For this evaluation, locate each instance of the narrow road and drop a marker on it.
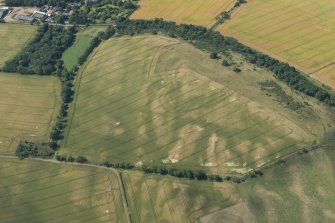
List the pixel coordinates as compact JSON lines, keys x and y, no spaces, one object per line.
{"x":116,"y":172}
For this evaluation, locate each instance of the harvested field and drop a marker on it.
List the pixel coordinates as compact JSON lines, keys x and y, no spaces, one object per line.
{"x":28,"y":107}
{"x":303,"y":35}
{"x":164,"y":199}
{"x":167,"y":102}
{"x":197,"y":12}
{"x":39,"y":192}
{"x":13,"y":37}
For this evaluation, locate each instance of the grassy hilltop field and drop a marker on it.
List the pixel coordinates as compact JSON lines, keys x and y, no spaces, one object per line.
{"x":13,"y":38}
{"x":28,"y":108}
{"x":303,"y":35}
{"x":39,"y":192}
{"x":196,"y":12}
{"x":167,"y":102}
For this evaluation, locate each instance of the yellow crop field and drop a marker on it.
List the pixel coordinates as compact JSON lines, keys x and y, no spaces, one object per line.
{"x":298,"y":31}
{"x":196,"y":12}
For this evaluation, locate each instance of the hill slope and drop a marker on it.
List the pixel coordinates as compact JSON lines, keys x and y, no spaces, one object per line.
{"x":155,"y":99}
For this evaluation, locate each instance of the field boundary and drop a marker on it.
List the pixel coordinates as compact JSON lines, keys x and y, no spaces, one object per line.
{"x":72,"y":111}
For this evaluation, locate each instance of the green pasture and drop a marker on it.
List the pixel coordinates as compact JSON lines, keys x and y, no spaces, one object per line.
{"x":82,"y":42}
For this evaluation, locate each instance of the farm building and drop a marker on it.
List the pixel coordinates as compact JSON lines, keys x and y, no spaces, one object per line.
{"x":39,"y":15}
{"x":3,"y":13}
{"x":26,"y":18}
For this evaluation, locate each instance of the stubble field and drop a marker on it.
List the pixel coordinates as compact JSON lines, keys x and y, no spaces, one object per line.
{"x":197,"y":12}
{"x":302,"y":35}
{"x":29,"y":104}
{"x":139,"y":102}
{"x":40,"y":192}
{"x":13,"y":37}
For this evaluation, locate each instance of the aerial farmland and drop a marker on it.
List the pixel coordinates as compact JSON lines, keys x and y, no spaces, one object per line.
{"x":301,"y":36}
{"x":140,"y":111}
{"x":196,"y":12}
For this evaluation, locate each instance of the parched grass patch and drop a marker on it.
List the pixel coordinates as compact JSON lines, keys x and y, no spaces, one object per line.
{"x":82,"y":42}
{"x":13,"y":37}
{"x":28,"y":107}
{"x":197,"y":12}
{"x":303,"y":35}
{"x":165,"y":199}
{"x":38,"y":192}
{"x":153,"y":99}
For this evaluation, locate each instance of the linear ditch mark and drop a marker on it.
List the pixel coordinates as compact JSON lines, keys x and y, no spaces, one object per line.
{"x":144,"y":105}
{"x":86,"y":187}
{"x":322,"y":68}
{"x":163,"y":146}
{"x":172,"y":213}
{"x":139,"y":216}
{"x":253,"y":150}
{"x":258,"y":15}
{"x":168,"y":122}
{"x":157,"y":99}
{"x":72,"y":111}
{"x":151,"y":201}
{"x":230,"y":147}
{"x":56,"y":206}
{"x":111,"y":65}
{"x":207,"y":135}
{"x":156,"y":149}
{"x":49,"y":187}
{"x":64,"y":215}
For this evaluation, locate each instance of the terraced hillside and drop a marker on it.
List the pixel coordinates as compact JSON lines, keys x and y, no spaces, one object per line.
{"x":196,"y":12}
{"x":36,"y":191}
{"x":28,"y":106}
{"x":165,"y":199}
{"x":302,"y":35}
{"x":12,"y":39}
{"x":155,"y":99}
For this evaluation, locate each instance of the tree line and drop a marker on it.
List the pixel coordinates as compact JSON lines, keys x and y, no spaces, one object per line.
{"x":213,"y":41}
{"x":27,"y":149}
{"x":104,"y":12}
{"x":39,"y":3}
{"x":43,"y":54}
